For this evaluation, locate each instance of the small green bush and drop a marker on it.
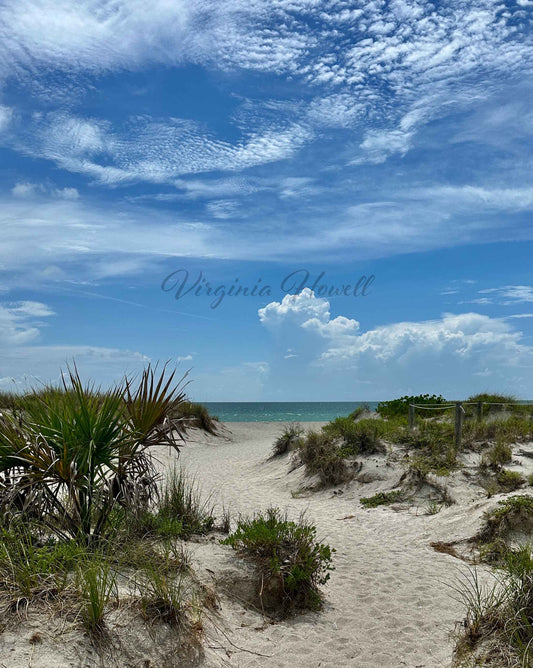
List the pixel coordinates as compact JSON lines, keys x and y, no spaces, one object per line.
{"x":400,"y":407}
{"x":289,"y":438}
{"x":287,"y":552}
{"x":381,"y":499}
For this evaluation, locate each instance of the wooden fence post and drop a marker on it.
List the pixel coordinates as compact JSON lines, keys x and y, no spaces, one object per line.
{"x":411,"y":417}
{"x":479,"y":411}
{"x":458,"y":424}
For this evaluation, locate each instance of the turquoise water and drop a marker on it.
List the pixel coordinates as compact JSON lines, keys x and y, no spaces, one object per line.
{"x":293,"y":411}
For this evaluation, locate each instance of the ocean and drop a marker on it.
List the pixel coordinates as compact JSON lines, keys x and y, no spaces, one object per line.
{"x":283,"y":411}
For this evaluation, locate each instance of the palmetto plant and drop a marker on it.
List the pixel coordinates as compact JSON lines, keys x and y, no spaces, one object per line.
{"x":75,"y":452}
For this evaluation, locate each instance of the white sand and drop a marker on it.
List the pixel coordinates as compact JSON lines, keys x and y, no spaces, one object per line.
{"x":387,"y":603}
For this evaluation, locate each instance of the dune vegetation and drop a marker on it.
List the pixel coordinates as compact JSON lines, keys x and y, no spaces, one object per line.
{"x":86,"y":523}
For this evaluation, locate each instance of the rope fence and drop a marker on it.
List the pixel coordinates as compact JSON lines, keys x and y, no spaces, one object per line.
{"x":458,"y":406}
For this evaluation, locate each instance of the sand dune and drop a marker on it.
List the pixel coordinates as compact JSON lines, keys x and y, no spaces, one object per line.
{"x":388,"y":602}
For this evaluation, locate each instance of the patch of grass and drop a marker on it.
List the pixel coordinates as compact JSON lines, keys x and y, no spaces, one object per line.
{"x":381,"y":499}
{"x":181,"y":510}
{"x":196,"y":416}
{"x":289,"y":438}
{"x":499,"y":617}
{"x":510,"y":481}
{"x":320,"y":455}
{"x":28,"y":568}
{"x":499,"y":454}
{"x":363,"y":437}
{"x":433,"y":507}
{"x":162,"y":596}
{"x":96,"y":583}
{"x":287,"y":554}
{"x":356,"y":414}
{"x":509,"y":513}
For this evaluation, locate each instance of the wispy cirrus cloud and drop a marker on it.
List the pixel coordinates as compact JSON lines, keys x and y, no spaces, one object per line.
{"x":509,"y":294}
{"x":147,"y":149}
{"x":383,"y":70}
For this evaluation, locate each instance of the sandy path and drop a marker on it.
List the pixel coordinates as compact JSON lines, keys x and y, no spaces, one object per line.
{"x":387,"y":603}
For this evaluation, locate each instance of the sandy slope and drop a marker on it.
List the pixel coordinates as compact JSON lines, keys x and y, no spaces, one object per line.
{"x":387,"y":604}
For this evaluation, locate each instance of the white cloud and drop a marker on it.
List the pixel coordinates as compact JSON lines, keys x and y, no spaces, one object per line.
{"x":441,"y":355}
{"x":25,"y":190}
{"x":387,"y":68}
{"x":511,"y":294}
{"x":18,"y":324}
{"x":378,"y":145}
{"x":29,"y":365}
{"x":152,"y":150}
{"x":6,"y":114}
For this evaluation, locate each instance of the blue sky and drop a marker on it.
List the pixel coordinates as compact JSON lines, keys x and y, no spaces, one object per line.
{"x":240,"y":141}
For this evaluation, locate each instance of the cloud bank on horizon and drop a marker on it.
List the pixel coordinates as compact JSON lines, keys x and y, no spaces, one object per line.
{"x":465,"y":350}
{"x":336,"y":131}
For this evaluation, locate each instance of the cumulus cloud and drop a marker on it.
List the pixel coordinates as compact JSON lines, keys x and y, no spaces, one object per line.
{"x":459,"y":352}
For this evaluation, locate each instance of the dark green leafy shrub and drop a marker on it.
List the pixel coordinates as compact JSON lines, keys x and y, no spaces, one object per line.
{"x":400,"y":407}
{"x":285,"y":552}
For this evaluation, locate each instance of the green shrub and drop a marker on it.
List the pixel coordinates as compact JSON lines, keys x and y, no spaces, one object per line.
{"x":382,"y":499}
{"x":289,"y":438}
{"x":400,"y":407}
{"x":320,"y":453}
{"x":286,"y":552}
{"x":28,"y":567}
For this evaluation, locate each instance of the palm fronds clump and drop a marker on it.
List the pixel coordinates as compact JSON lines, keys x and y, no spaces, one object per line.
{"x":74,"y":453}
